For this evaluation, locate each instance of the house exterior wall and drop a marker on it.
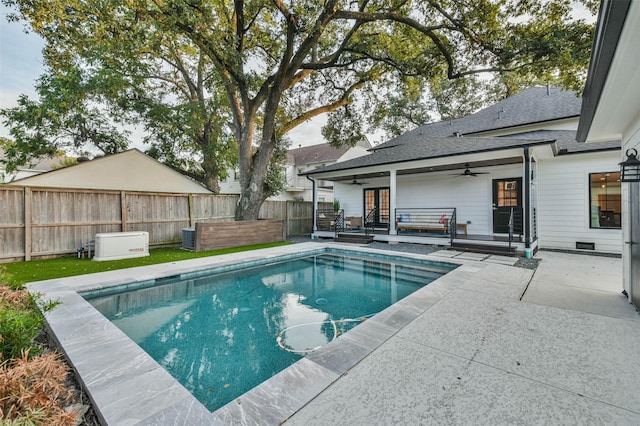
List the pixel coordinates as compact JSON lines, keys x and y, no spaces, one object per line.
{"x":296,"y":187}
{"x":356,"y":151}
{"x":564,"y":214}
{"x":472,"y":197}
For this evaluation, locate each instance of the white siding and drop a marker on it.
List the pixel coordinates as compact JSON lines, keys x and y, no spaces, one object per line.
{"x":472,"y":196}
{"x":564,"y":206}
{"x":230,"y":185}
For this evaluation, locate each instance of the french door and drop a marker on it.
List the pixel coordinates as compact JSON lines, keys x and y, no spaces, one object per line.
{"x":377,"y":198}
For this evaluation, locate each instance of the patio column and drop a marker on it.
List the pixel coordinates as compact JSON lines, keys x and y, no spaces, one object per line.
{"x":392,"y":203}
{"x":526,"y":217}
{"x":314,"y":203}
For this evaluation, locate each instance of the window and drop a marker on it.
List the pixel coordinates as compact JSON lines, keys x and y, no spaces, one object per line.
{"x":606,"y":200}
{"x":507,"y":193}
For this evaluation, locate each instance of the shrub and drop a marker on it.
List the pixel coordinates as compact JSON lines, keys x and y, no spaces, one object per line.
{"x":32,"y":391}
{"x":20,"y":322}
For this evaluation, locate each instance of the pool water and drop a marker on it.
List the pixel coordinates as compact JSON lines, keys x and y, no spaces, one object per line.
{"x":222,"y":334}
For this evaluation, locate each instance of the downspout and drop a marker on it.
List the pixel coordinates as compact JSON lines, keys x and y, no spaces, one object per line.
{"x":527,"y":198}
{"x":314,"y":226}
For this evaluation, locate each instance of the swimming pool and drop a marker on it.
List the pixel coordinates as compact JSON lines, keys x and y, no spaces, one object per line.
{"x":128,"y":387}
{"x":221,"y":332}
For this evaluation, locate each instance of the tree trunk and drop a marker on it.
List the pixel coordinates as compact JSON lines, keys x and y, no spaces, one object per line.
{"x":249,"y":204}
{"x":211,"y":175}
{"x":251,"y":174}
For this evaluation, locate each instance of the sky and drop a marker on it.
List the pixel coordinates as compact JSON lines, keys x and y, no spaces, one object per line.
{"x":21,"y":64}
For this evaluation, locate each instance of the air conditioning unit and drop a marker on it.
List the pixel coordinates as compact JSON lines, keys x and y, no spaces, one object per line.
{"x":189,"y":238}
{"x":121,"y":245}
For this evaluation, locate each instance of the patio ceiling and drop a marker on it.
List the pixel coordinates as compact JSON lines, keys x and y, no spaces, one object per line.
{"x":350,"y":175}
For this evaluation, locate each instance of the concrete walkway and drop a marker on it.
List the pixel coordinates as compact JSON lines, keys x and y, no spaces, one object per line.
{"x":582,"y":283}
{"x":567,"y":353}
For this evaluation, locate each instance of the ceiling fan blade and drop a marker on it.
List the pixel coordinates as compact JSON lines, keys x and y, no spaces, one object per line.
{"x":355,"y":182}
{"x":468,"y":173}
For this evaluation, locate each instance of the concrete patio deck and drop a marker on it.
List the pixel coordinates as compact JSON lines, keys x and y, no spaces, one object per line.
{"x":488,"y":343}
{"x":567,"y":353}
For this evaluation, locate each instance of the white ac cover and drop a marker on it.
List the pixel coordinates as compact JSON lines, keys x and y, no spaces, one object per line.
{"x":121,"y":245}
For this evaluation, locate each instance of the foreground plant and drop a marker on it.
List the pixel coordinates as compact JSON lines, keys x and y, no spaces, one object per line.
{"x":32,"y":386}
{"x":32,"y":391}
{"x":20,"y":322}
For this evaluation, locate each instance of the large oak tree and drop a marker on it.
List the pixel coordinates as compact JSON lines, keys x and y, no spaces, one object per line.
{"x":259,"y":68}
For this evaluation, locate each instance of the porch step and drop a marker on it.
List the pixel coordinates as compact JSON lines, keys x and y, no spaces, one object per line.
{"x":353,"y":238}
{"x":485,"y":248}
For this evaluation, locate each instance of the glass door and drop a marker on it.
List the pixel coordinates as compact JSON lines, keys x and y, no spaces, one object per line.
{"x":507,"y":195}
{"x":377,"y":198}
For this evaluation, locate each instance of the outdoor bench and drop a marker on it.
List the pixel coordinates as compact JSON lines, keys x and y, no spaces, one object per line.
{"x":422,"y":222}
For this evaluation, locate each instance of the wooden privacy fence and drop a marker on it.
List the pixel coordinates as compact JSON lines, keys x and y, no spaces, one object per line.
{"x":48,"y":222}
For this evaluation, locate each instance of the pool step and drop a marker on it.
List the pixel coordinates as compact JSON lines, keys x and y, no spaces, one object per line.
{"x":410,"y":274}
{"x":353,"y":238}
{"x":485,"y":249}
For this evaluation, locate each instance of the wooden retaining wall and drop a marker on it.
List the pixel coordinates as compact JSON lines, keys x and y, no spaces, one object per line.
{"x":47,"y":222}
{"x":219,"y":235}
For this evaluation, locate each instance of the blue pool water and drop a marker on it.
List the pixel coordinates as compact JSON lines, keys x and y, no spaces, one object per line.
{"x":221,"y":334}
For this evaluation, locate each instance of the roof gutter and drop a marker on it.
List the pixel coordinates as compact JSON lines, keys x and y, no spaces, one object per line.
{"x":611,"y":20}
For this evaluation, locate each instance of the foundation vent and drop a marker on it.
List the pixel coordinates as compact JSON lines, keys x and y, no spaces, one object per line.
{"x":585,"y":246}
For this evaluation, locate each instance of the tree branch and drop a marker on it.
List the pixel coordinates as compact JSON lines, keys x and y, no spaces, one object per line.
{"x":342,"y":101}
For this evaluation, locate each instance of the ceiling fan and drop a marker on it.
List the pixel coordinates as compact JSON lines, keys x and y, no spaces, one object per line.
{"x":355,"y":182}
{"x":468,"y":173}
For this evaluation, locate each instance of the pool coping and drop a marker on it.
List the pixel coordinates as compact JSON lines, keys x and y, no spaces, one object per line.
{"x":128,"y":387}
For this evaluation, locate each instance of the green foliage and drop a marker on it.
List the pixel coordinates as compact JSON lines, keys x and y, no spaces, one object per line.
{"x":65,"y":162}
{"x":216,"y":82}
{"x":336,"y":204}
{"x":19,"y":329}
{"x":20,"y":320}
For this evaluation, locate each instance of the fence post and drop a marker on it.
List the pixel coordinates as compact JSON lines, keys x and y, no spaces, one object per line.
{"x":191,"y":223}
{"x":27,"y":224}
{"x":123,"y":211}
{"x":286,"y":217}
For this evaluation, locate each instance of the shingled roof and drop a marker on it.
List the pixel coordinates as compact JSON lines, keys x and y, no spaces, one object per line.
{"x":534,"y":105}
{"x":316,"y":153}
{"x":435,"y":148}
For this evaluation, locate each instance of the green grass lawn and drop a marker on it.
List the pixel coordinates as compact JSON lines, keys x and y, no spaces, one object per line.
{"x":38,"y":270}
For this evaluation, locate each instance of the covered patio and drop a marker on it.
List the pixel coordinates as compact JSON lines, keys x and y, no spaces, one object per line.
{"x":466,"y":192}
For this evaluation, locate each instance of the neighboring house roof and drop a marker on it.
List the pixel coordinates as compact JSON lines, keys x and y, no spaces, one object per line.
{"x":130,"y":170}
{"x":317,"y":153}
{"x":39,"y":165}
{"x":534,"y":105}
{"x":609,"y":44}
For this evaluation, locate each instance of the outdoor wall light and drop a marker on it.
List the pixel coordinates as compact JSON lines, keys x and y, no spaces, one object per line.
{"x":630,"y":168}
